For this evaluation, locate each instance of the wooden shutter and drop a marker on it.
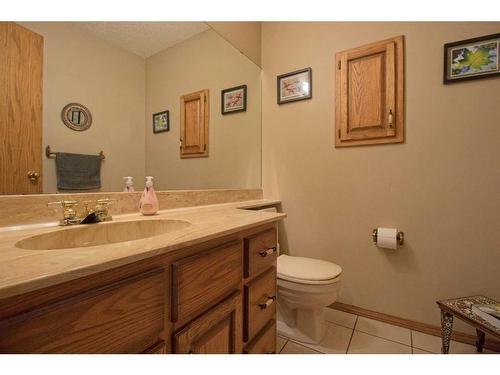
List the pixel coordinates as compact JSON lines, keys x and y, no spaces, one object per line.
{"x":369,"y":94}
{"x":194,"y":124}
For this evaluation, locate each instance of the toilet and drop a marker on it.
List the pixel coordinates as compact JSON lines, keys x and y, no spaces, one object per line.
{"x":305,"y":287}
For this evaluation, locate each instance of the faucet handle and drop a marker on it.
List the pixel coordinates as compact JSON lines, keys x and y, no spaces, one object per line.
{"x":108,"y":201}
{"x":69,"y":213}
{"x":102,"y":208}
{"x":62,"y":204}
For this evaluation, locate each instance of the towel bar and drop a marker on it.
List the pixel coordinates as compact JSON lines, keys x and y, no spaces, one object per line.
{"x":50,"y":154}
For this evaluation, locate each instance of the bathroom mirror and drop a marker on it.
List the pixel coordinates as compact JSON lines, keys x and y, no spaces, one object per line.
{"x":110,"y":79}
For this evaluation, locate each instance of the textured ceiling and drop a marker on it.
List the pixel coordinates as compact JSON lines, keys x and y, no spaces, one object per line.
{"x":143,"y":38}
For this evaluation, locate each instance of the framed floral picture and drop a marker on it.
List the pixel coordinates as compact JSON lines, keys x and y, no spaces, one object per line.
{"x":234,"y":100}
{"x":294,"y":86}
{"x":471,"y":59}
{"x":161,"y":122}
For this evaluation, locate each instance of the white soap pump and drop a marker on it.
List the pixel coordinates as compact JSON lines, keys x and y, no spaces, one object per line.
{"x":129,"y":184}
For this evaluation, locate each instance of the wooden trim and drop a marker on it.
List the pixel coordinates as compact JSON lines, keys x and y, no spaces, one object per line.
{"x":413,"y":325}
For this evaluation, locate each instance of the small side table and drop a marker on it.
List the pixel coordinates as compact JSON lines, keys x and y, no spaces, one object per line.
{"x":461,"y":308}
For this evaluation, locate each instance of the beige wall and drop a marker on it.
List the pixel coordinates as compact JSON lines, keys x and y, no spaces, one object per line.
{"x":441,"y":187}
{"x":204,"y":61}
{"x":245,"y":36}
{"x":111,"y":83}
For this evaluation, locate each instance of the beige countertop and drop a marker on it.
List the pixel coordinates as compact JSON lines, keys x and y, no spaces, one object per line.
{"x":23,"y":270}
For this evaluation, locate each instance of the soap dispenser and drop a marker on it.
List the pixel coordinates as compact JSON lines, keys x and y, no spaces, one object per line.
{"x":129,"y":184}
{"x":148,"y":205}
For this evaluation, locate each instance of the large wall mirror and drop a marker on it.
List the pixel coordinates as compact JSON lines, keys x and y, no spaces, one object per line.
{"x":124,"y":73}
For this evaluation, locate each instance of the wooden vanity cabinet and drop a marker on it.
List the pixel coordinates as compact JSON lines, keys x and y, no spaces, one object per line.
{"x":192,"y":300}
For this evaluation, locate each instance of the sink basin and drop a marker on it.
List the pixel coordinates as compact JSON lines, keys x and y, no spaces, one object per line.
{"x":101,"y":234}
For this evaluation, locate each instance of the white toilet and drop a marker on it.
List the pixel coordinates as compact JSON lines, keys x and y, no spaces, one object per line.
{"x":305,"y":287}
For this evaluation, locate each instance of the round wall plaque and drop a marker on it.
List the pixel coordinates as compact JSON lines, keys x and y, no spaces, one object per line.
{"x":76,"y":116}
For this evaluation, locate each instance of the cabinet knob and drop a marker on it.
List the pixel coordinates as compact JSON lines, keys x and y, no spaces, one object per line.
{"x":267,"y":252}
{"x":269,"y":301}
{"x":33,"y":176}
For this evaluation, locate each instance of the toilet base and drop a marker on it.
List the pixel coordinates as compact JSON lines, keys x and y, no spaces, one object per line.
{"x":309,"y":328}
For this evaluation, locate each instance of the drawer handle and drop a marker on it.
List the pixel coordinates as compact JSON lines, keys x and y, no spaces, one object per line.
{"x":267,"y":252}
{"x":270,"y":300}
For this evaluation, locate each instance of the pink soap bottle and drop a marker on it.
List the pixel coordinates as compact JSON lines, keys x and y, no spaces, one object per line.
{"x":148,"y":205}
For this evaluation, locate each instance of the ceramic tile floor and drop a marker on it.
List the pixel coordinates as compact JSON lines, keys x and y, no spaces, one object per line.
{"x":352,"y":334}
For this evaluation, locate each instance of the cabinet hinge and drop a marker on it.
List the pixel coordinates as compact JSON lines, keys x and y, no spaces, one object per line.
{"x":340,"y":64}
{"x":338,"y":132}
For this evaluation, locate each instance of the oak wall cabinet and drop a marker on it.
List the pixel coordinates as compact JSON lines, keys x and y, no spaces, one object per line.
{"x":195,"y":114}
{"x":369,"y":89}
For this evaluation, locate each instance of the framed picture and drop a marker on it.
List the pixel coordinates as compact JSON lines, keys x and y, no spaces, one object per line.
{"x":234,"y":100}
{"x":161,"y":122}
{"x":295,"y":86}
{"x":471,"y":59}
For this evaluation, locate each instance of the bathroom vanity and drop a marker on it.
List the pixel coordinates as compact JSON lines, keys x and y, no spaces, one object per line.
{"x":205,"y":287}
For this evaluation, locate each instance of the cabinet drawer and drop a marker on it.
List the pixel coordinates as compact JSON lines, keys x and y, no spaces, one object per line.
{"x":201,"y":280}
{"x":260,"y":303}
{"x":123,"y":317}
{"x":260,"y":251}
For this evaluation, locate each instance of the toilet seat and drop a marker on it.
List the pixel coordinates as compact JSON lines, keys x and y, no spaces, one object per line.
{"x":310,"y":271}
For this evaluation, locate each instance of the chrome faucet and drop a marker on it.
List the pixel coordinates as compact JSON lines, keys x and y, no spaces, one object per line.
{"x":93,"y":212}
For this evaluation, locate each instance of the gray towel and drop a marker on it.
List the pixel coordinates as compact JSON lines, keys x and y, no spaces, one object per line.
{"x":77,"y":171}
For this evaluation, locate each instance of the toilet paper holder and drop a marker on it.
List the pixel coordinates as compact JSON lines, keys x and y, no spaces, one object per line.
{"x":400,"y":237}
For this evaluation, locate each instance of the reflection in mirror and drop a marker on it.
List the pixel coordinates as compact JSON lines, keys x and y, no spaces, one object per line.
{"x":76,"y":116}
{"x":127,"y":72}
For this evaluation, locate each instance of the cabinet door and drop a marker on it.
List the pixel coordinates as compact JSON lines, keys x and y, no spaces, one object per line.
{"x":369,"y":94}
{"x":21,"y":64}
{"x":202,"y":280}
{"x":218,"y":331}
{"x":264,"y":342}
{"x":158,"y":348}
{"x":194,"y":124}
{"x":124,"y":317}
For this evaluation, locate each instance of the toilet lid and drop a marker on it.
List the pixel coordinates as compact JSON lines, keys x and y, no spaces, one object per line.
{"x":306,"y":269}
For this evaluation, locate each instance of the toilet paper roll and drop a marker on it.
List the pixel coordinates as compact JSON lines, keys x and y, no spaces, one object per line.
{"x":387,"y":238}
